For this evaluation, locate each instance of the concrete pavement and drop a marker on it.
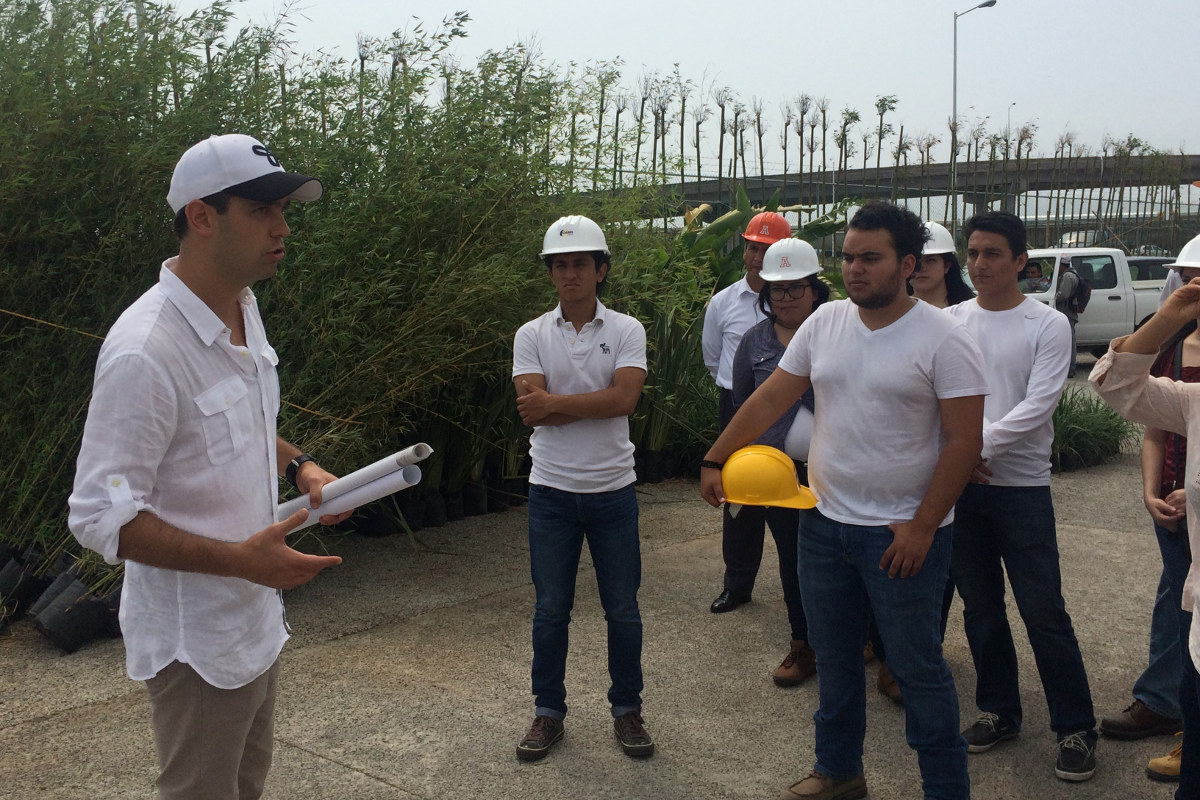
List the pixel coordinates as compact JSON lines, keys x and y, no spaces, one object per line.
{"x":408,"y":675}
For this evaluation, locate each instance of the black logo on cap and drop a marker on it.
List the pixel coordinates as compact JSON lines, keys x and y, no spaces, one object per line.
{"x":260,"y":150}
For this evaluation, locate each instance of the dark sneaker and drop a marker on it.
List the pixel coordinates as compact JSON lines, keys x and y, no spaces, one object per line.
{"x":988,"y":731}
{"x":1076,"y":756}
{"x":631,"y":733}
{"x":543,"y":735}
{"x":820,"y":787}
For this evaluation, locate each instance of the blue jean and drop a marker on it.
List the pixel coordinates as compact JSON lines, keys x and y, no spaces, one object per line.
{"x":998,"y":528}
{"x":841,"y":581}
{"x":558,"y":523}
{"x":1158,"y":685}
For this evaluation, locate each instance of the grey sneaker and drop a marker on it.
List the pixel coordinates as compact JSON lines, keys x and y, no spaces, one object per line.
{"x":631,"y":733}
{"x":543,"y":735}
{"x":988,"y":731}
{"x":1076,"y":756}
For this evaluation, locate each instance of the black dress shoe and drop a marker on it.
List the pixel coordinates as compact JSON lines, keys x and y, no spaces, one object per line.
{"x":726,"y":602}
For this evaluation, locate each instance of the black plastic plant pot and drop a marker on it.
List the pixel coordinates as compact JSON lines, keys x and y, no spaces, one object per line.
{"x":71,"y":621}
{"x":19,"y":588}
{"x":435,"y":510}
{"x":474,"y":499}
{"x":52,"y":591}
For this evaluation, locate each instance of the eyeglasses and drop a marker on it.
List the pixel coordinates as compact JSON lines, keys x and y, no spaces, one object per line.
{"x":795,"y":291}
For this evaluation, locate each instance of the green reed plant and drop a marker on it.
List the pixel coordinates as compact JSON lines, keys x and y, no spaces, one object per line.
{"x":1087,"y":431}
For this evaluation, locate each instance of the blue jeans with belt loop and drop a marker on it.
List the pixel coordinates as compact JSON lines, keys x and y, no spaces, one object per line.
{"x":559,"y":522}
{"x":840,"y":580}
{"x":1011,"y":528}
{"x":1158,"y":685}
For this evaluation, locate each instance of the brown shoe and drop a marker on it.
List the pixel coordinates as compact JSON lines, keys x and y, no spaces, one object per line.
{"x":887,"y":685}
{"x":1137,"y":722}
{"x":630,"y":730}
{"x":820,"y":787}
{"x":1165,"y":769}
{"x":798,"y":665}
{"x":543,"y":735}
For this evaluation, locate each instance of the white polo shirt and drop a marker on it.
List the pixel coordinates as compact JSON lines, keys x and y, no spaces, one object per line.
{"x":182,"y":424}
{"x":589,"y":455}
{"x":731,"y":312}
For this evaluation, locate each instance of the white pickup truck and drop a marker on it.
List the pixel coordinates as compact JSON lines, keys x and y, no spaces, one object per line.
{"x":1124,"y":295}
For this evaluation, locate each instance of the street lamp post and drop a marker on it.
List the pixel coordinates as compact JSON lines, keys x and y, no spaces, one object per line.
{"x":1008,"y":127}
{"x":954,"y":123}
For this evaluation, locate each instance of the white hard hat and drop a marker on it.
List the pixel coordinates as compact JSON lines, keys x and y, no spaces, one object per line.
{"x":573,"y":234}
{"x":940,"y":240}
{"x":1189,"y":256}
{"x":789,"y":260}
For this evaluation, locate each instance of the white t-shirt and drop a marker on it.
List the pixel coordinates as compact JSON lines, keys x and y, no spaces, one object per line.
{"x":877,"y":434}
{"x":589,"y":455}
{"x":1026,"y":355}
{"x":731,"y":312}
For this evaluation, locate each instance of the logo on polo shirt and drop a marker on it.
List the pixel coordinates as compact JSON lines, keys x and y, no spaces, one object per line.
{"x":605,"y":349}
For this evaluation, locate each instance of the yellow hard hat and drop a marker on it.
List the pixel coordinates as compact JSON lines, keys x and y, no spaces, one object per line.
{"x":759,"y":475}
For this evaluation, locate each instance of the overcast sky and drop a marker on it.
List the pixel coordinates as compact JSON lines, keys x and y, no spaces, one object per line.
{"x":1092,"y":68}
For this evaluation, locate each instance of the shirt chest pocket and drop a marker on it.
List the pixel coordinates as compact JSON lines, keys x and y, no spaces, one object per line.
{"x":226,"y":418}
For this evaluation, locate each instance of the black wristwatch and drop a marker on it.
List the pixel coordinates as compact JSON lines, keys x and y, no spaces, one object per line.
{"x":706,"y":464}
{"x":293,"y":467}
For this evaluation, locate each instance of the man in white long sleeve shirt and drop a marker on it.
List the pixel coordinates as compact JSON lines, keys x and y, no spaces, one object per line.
{"x":1005,"y":517}
{"x":178,"y":471}
{"x":731,"y":312}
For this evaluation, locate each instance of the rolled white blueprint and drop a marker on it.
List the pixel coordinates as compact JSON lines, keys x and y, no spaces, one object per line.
{"x":371,"y":472}
{"x":394,"y":481}
{"x":410,"y":455}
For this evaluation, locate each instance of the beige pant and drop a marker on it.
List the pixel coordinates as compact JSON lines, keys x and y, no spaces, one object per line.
{"x":213,"y":744}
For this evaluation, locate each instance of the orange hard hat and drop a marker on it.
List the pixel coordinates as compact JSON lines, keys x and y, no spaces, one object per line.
{"x":767,"y":227}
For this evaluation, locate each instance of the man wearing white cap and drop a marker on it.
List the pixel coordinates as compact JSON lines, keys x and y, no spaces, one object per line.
{"x":178,"y":471}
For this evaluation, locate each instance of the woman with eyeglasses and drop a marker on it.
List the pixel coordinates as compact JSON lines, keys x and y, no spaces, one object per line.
{"x":790,"y":293}
{"x":937,"y":278}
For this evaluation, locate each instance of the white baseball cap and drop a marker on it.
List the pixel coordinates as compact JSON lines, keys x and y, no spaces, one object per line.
{"x":240,"y":165}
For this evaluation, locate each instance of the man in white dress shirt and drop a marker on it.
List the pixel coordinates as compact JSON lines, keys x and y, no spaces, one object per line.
{"x":731,"y":312}
{"x":177,"y":475}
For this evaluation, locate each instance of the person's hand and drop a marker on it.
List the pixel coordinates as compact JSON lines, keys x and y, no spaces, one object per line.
{"x":906,"y":554}
{"x":1177,"y":499}
{"x":534,"y":405}
{"x":1164,"y":513}
{"x":311,"y":479}
{"x":1183,"y":304}
{"x":266,"y":559}
{"x":710,"y":486}
{"x":981,"y":473}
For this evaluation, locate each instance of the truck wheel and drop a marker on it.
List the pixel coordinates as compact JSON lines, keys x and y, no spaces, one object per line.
{"x":1098,"y":351}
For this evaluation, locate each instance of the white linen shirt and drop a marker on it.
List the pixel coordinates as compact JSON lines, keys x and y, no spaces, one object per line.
{"x":589,"y":455}
{"x":1170,"y":406}
{"x":1026,"y":353}
{"x":731,"y":312}
{"x":182,"y":425}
